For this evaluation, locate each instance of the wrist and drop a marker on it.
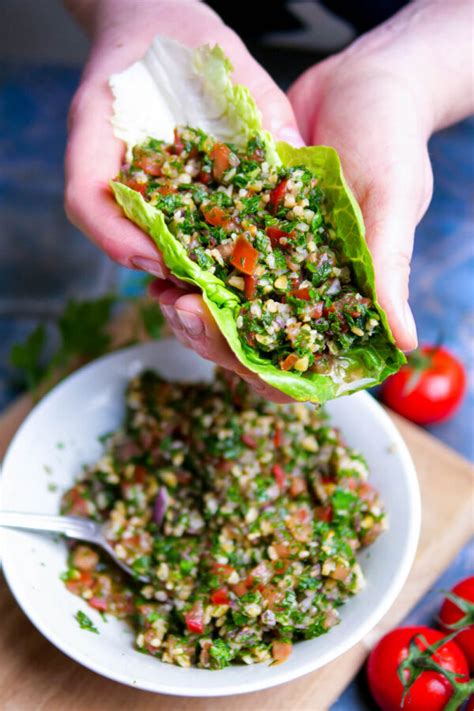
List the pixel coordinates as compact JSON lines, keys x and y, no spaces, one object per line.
{"x":426,"y":48}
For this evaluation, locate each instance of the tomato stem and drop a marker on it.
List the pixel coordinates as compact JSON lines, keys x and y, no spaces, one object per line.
{"x":420,"y":660}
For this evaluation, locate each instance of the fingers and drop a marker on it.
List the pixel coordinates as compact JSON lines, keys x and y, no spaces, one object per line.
{"x":195,"y":328}
{"x":392,"y":207}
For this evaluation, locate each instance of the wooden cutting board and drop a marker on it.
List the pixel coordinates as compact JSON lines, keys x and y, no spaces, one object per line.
{"x":35,"y":675}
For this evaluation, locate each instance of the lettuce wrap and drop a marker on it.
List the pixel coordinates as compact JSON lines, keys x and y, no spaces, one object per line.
{"x":175,"y":86}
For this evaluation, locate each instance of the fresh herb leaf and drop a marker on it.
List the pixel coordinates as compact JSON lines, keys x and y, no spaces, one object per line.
{"x":85,"y":623}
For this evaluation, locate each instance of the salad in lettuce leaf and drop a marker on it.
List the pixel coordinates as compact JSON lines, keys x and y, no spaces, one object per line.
{"x":271,"y":234}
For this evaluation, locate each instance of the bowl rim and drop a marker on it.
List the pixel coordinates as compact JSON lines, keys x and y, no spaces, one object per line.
{"x":213,"y":690}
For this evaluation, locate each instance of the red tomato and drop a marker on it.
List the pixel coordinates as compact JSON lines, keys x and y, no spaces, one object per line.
{"x":250,"y":286}
{"x":431,"y":691}
{"x":429,"y":388}
{"x":220,"y":155}
{"x":204,"y":177}
{"x":302,"y":294}
{"x":323,"y":513}
{"x":214,"y":215}
{"x":470,"y":704}
{"x":150,"y":164}
{"x":244,"y":257}
{"x":277,"y":195}
{"x":278,"y":437}
{"x":195,"y":619}
{"x":249,"y":441}
{"x":135,"y":185}
{"x":450,"y":613}
{"x":279,"y":474}
{"x":98,"y":604}
{"x":220,"y":597}
{"x":275,"y":235}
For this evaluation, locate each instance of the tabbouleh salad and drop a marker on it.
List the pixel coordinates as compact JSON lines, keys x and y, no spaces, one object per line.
{"x":245,"y":516}
{"x":263,"y":230}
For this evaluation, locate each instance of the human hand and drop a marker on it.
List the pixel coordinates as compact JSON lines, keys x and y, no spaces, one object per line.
{"x":377,"y":103}
{"x":121,"y":32}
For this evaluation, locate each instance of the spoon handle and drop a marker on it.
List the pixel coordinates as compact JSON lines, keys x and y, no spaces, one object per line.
{"x":70,"y":526}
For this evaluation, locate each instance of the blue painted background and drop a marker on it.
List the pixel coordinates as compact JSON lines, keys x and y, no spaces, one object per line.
{"x":44,"y":259}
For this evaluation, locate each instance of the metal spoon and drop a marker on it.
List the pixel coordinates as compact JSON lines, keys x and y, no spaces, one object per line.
{"x":81,"y":529}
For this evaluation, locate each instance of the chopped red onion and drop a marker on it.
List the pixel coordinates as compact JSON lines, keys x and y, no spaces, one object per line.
{"x":160,"y":506}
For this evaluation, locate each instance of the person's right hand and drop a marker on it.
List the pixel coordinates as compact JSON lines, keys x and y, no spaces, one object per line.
{"x":121,"y":31}
{"x":377,"y":103}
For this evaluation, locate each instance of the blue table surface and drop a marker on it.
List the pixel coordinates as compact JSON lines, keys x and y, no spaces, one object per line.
{"x":45,"y":260}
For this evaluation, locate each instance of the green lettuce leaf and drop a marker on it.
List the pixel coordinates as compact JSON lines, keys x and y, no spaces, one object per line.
{"x":202,"y":95}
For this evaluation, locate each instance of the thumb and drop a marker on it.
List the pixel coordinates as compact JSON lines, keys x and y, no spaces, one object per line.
{"x":390,"y":228}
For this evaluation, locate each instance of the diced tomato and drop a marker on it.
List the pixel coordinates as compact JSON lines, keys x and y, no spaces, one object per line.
{"x":249,"y":441}
{"x":84,"y":582}
{"x":140,"y":474}
{"x":167,"y":190}
{"x":278,"y":437}
{"x":279,"y":474}
{"x":282,"y":550}
{"x":244,"y":257}
{"x":274,"y":234}
{"x":323,"y":513}
{"x":214,"y":215}
{"x":222,"y":570}
{"x":220,"y":597}
{"x":301,"y":293}
{"x":281,"y":651}
{"x":195,"y":619}
{"x":135,"y":185}
{"x":250,"y":286}
{"x":220,"y":154}
{"x":98,"y":604}
{"x":85,"y":559}
{"x":277,"y":195}
{"x":204,"y":177}
{"x":317,"y":310}
{"x":298,"y":486}
{"x":289,"y":361}
{"x":240,"y":588}
{"x":178,"y":142}
{"x":271,"y":595}
{"x":150,"y":164}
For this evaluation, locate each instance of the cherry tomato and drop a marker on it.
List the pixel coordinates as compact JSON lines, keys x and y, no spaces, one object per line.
{"x":431,"y":691}
{"x":244,"y":257}
{"x":429,"y":388}
{"x":450,"y":613}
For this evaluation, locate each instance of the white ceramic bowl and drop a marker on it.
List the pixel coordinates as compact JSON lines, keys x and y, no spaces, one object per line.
{"x":61,"y":434}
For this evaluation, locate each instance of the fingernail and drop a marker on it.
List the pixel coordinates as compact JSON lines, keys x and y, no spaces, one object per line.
{"x":169,"y":313}
{"x":191,"y":323}
{"x":148,"y":265}
{"x":410,"y":323}
{"x":291,"y":135}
